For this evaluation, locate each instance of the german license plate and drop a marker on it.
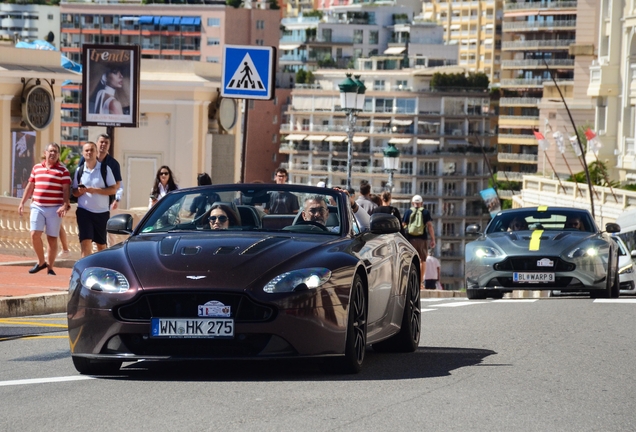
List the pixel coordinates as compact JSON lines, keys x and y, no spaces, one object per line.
{"x":218,"y":328}
{"x":533,"y":277}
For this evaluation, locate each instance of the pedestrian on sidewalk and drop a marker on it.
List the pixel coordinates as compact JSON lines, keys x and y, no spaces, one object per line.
{"x":432,"y":271}
{"x":418,"y":227}
{"x":49,"y":186}
{"x":92,"y":193}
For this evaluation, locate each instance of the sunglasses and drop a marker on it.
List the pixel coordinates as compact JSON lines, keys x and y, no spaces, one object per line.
{"x":222,"y":219}
{"x":164,"y":173}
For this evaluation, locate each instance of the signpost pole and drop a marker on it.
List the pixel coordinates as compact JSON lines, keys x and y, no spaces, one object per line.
{"x":244,"y":139}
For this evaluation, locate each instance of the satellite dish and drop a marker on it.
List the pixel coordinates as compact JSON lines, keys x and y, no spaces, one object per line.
{"x":227,"y":113}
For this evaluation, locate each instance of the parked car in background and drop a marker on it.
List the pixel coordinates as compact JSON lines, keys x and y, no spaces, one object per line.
{"x":626,"y":271}
{"x":542,"y":248}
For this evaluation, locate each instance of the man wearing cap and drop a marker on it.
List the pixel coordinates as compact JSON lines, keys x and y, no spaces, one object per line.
{"x":422,"y":242}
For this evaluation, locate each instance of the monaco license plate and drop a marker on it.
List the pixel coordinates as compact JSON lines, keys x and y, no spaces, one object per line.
{"x":533,"y":277}
{"x":217,"y":328}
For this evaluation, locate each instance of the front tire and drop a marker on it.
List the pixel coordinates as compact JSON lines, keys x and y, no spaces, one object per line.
{"x":475,"y":294}
{"x":356,"y":343}
{"x":96,"y":367}
{"x":408,"y":339}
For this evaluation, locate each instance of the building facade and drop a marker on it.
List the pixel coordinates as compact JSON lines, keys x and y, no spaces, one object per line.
{"x":29,"y":22}
{"x":442,"y":137}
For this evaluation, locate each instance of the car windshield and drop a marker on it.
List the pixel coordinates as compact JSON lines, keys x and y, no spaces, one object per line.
{"x":249,"y":208}
{"x":542,"y":219}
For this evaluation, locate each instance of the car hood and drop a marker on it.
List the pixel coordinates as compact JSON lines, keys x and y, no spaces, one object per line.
{"x":218,"y":260}
{"x":551,"y":242}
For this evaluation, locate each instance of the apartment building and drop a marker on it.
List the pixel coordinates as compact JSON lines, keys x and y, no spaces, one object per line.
{"x":29,"y":22}
{"x":543,"y":43}
{"x":474,"y":27}
{"x":441,"y":159}
{"x":613,"y":87}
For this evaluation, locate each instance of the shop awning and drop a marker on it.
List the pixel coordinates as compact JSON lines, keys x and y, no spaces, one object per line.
{"x":168,"y":20}
{"x":427,"y":141}
{"x":315,"y":137}
{"x":400,"y":141}
{"x":401,"y":122}
{"x":146,"y":19}
{"x":190,"y":21}
{"x":336,"y":138}
{"x":488,"y":41}
{"x":394,"y":50}
{"x":381,"y":120}
{"x":288,"y":47}
{"x":455,"y":26}
{"x":129,"y":18}
{"x":359,"y":139}
{"x":295,"y":137}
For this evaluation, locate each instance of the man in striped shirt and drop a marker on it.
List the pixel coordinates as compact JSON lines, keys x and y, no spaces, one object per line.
{"x":49,"y":188}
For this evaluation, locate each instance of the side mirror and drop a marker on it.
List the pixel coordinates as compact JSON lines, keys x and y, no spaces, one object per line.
{"x":382,"y":223}
{"x":121,"y":224}
{"x":633,"y":254}
{"x":612,"y":228}
{"x":473,"y":229}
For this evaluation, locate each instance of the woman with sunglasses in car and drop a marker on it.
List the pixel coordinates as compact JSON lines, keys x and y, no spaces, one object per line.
{"x":164,"y":183}
{"x":222,"y":217}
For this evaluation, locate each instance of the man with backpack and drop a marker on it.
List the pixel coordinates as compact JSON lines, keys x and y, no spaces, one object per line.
{"x":417,"y":224}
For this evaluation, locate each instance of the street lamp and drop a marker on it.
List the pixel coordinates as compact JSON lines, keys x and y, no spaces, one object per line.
{"x":391,"y":163}
{"x":351,"y":101}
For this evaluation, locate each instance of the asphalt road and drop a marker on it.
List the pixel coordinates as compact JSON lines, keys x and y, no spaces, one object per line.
{"x":566,"y":364}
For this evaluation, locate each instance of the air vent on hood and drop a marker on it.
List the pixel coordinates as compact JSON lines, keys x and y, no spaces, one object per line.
{"x":225,"y":250}
{"x":190,"y":250}
{"x":168,"y":245}
{"x":261,"y":245}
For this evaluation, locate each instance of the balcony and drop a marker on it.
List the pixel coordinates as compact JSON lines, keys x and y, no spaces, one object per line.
{"x":604,"y":80}
{"x":531,"y":5}
{"x":523,"y":82}
{"x":519,"y":158}
{"x":539,"y":25}
{"x":512,"y":101}
{"x":512,"y":175}
{"x":533,"y":44}
{"x":519,"y":139}
{"x":526,"y":64}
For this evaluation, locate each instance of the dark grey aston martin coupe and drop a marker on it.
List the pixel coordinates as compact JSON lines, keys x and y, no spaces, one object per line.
{"x":542,"y":248}
{"x":246,"y":271}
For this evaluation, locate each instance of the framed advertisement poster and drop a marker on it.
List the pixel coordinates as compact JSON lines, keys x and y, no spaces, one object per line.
{"x":24,"y":157}
{"x":110,"y":85}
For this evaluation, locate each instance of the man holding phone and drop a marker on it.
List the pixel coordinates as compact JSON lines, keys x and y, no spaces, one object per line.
{"x":92,"y":200}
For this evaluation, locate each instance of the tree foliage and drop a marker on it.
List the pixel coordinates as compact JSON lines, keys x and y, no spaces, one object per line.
{"x":476,"y":80}
{"x":304,"y":77}
{"x":598,"y":175}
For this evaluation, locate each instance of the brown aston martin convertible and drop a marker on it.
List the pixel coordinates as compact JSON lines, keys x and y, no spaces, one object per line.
{"x":246,"y":271}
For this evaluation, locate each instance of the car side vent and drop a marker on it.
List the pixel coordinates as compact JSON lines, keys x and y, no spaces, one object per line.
{"x":225,"y":250}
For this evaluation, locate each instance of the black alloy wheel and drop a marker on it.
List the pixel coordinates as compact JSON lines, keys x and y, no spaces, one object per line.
{"x":356,"y":344}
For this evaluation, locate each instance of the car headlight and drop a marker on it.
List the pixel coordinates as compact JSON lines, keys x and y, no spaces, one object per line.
{"x":629,"y":268}
{"x":488,"y":252}
{"x":103,"y":279}
{"x":583,"y":252}
{"x":298,"y":280}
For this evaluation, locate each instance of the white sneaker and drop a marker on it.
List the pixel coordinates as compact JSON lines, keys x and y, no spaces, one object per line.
{"x":64,"y":254}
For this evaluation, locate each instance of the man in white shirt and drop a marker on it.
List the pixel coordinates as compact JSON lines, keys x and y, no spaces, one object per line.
{"x":92,"y":200}
{"x":432,"y":272}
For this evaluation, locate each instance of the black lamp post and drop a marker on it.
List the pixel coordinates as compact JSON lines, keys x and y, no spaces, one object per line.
{"x":391,"y":163}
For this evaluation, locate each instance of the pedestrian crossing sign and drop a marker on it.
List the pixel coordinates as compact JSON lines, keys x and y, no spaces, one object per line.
{"x":248,"y":72}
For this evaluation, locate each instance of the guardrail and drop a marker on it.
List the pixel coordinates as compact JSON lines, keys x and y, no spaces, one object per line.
{"x":15,"y":231}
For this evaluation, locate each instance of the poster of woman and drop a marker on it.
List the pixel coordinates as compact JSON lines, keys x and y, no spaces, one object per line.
{"x":23,"y":146}
{"x":110,"y":85}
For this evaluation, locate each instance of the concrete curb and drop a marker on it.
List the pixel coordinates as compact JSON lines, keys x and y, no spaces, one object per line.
{"x":441,"y":294}
{"x":61,"y":263}
{"x":35,"y":304}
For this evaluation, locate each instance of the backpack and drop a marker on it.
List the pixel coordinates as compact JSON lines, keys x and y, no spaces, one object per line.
{"x":103,"y":169}
{"x":416,"y":222}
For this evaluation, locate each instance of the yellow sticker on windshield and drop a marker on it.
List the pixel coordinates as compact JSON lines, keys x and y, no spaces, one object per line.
{"x":542,"y":208}
{"x":535,"y":240}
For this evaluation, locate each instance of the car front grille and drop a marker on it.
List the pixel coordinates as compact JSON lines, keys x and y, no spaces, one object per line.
{"x":186,"y":305}
{"x":531,"y":264}
{"x":507,"y":282}
{"x":243,"y":345}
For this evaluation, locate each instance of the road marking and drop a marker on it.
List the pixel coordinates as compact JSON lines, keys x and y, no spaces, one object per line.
{"x":428,"y":310}
{"x":13,"y":321}
{"x":618,"y":300}
{"x":18,"y":337}
{"x":45,"y":380}
{"x":515,"y":301}
{"x":438,"y":299}
{"x":462,"y":303}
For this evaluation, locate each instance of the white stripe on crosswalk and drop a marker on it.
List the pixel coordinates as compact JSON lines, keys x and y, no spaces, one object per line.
{"x":515,"y":301}
{"x":428,"y":310}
